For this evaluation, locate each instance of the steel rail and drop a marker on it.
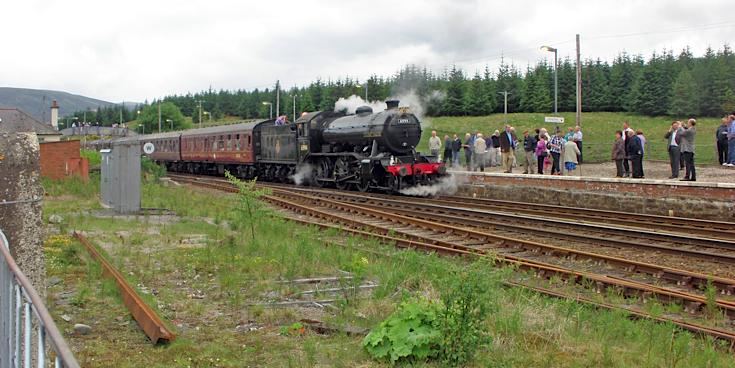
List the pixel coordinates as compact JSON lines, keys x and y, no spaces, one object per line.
{"x":628,"y":288}
{"x":404,"y":243}
{"x":643,"y":233}
{"x":691,"y":226}
{"x":680,"y":229}
{"x":681,"y":277}
{"x":674,"y":225}
{"x":693,"y":302}
{"x":146,"y":317}
{"x":579,"y":228}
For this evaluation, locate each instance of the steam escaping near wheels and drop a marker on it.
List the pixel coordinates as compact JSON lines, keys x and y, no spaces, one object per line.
{"x":303,"y":174}
{"x":447,"y":185}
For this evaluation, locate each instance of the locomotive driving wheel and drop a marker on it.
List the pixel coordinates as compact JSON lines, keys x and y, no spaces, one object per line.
{"x":322,"y":170}
{"x":341,"y":170}
{"x":362,"y":184}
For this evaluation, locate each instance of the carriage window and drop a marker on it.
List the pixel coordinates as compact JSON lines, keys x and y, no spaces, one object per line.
{"x":249,"y":140}
{"x":237,"y":142}
{"x":229,"y":142}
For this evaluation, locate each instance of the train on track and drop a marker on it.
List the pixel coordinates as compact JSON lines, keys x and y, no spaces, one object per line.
{"x":363,"y":151}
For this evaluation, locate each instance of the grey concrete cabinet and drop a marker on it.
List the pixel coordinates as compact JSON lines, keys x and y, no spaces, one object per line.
{"x":120,"y":177}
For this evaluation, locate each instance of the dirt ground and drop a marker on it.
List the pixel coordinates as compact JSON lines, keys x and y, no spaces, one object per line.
{"x":657,"y":170}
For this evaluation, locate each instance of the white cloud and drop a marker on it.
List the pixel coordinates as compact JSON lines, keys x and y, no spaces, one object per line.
{"x":139,"y":50}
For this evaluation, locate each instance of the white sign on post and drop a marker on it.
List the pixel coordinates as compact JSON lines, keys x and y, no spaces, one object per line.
{"x":149,"y":148}
{"x":554,"y":119}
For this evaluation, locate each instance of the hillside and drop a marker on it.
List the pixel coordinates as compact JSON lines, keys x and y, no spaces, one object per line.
{"x":32,"y":101}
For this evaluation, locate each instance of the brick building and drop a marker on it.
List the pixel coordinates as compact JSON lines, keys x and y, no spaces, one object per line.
{"x":62,"y":159}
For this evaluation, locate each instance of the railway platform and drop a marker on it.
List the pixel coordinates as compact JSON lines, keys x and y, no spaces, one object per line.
{"x":707,"y":200}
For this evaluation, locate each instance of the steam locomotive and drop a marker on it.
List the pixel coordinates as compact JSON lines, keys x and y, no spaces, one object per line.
{"x":364,"y":151}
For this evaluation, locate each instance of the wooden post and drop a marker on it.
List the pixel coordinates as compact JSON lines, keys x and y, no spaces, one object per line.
{"x":20,"y":204}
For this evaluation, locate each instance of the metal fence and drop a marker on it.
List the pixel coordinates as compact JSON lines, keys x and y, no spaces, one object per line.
{"x":22,"y":311}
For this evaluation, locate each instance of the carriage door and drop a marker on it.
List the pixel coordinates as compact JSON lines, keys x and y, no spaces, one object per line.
{"x":303,"y":139}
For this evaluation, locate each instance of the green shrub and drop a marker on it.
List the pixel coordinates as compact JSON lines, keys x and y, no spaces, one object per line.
{"x":93,"y":156}
{"x":151,"y":170}
{"x":451,"y":329}
{"x":411,"y":333}
{"x":467,"y":299}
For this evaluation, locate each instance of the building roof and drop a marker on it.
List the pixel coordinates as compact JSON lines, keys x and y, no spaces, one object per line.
{"x":14,"y":121}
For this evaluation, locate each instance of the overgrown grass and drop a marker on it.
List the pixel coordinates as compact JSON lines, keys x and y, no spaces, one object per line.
{"x":93,"y":156}
{"x":598,"y":128}
{"x":208,"y":290}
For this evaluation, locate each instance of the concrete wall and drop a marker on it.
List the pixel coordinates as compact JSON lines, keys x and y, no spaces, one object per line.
{"x":700,"y":200}
{"x":20,"y":181}
{"x":60,"y":160}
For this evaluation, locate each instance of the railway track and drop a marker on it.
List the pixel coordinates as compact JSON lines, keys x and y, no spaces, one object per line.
{"x":563,"y":229}
{"x":662,"y":224}
{"x":602,"y":273}
{"x":719,"y":250}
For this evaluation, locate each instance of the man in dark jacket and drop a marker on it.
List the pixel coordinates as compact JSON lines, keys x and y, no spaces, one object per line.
{"x":456,"y":146}
{"x":634,"y":151}
{"x":721,"y":139}
{"x":687,"y":149}
{"x":507,"y":142}
{"x":447,"y":150}
{"x":529,"y":149}
{"x":673,"y":139}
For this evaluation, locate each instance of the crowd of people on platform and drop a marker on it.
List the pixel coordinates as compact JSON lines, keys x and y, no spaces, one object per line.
{"x":541,"y":151}
{"x":560,"y":152}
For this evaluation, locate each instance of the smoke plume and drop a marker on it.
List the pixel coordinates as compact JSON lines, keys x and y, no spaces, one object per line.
{"x":302,"y":174}
{"x":448,"y":185}
{"x":350,"y":104}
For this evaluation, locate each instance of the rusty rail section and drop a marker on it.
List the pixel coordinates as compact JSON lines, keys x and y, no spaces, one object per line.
{"x":348,"y":223}
{"x":685,"y":278}
{"x":583,"y":230}
{"x":633,"y":313}
{"x":146,"y":317}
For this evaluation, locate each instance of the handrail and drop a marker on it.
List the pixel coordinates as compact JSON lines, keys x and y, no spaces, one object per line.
{"x":20,"y":290}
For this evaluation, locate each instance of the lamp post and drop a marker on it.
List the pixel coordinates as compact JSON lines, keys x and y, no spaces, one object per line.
{"x":200,"y":112}
{"x":294,"y":107}
{"x":139,"y":123}
{"x":366,"y":90}
{"x":271,"y":109}
{"x":505,"y":104}
{"x":170,"y":122}
{"x":209,"y":116}
{"x":556,"y":84}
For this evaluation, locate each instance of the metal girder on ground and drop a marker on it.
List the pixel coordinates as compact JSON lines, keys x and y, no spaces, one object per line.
{"x":148,"y":320}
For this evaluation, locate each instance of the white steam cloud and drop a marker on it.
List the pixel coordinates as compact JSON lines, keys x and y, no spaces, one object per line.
{"x":448,"y":185}
{"x":302,"y":174}
{"x":350,"y":104}
{"x":410,"y":99}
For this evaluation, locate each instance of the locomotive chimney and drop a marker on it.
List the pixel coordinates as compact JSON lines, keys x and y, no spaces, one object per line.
{"x":391,"y":104}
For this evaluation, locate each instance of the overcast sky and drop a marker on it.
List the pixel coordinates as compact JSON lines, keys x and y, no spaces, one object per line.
{"x":135,"y":50}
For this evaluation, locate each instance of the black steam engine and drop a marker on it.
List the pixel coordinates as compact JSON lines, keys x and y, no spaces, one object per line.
{"x":365,"y":150}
